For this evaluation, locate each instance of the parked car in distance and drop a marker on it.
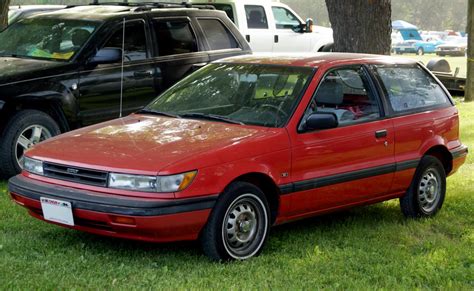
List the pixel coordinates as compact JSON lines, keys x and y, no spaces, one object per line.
{"x":17,"y":12}
{"x":271,"y":26}
{"x":453,"y":47}
{"x":63,"y":70}
{"x":250,"y":142}
{"x":413,"y":43}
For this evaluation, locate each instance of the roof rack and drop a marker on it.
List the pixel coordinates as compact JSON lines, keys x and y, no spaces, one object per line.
{"x":152,"y":4}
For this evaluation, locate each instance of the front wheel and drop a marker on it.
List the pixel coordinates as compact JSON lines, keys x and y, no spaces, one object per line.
{"x":238,"y":225}
{"x":25,"y":129}
{"x":427,"y":191}
{"x":420,"y":51}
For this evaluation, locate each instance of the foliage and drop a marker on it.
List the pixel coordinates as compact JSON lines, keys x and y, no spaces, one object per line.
{"x":370,"y":247}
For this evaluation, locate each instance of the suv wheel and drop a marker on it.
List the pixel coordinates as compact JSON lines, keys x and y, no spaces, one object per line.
{"x":25,"y":129}
{"x":426,"y":193}
{"x":238,"y":225}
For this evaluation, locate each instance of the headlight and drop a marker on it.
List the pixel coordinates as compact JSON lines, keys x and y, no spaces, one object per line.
{"x":32,"y":165}
{"x":171,"y":183}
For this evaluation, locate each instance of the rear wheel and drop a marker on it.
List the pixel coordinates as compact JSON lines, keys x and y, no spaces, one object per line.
{"x":420,"y":51}
{"x":238,"y":226}
{"x":25,"y":129}
{"x":427,"y":191}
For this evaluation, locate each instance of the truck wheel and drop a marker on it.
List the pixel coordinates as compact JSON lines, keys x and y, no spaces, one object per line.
{"x":25,"y":129}
{"x":420,"y":51}
{"x":426,"y":193}
{"x":238,"y":225}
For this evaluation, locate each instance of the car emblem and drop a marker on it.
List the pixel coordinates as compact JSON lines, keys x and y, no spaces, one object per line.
{"x":72,"y":171}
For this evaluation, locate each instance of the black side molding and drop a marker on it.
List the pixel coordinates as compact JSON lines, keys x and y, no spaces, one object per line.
{"x":460,"y":151}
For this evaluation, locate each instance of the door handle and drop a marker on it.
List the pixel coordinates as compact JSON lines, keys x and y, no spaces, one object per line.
{"x":143,"y":74}
{"x":247,"y":37}
{"x":381,"y":133}
{"x":275,"y":38}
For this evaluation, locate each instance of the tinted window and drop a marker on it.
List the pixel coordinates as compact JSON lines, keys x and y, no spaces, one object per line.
{"x":217,"y":35}
{"x":135,"y":41}
{"x":345,"y":93}
{"x":410,"y":88}
{"x":284,"y":18}
{"x":256,"y":17}
{"x":174,"y":37}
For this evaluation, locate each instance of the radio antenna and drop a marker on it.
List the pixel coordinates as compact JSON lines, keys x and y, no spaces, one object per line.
{"x":121,"y":76}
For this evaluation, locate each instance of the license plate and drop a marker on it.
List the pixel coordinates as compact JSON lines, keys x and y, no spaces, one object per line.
{"x":57,"y":211}
{"x":402,"y":48}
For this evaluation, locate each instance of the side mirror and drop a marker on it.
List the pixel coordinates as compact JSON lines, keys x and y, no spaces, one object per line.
{"x":107,"y":55}
{"x":309,"y":25}
{"x":321,"y":120}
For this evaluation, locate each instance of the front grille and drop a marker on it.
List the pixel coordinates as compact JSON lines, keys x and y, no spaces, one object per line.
{"x":73,"y":174}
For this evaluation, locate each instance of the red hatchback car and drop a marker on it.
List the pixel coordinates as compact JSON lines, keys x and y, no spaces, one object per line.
{"x":250,"y":142}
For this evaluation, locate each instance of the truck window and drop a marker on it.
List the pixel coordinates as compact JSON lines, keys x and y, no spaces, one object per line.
{"x":217,"y":35}
{"x":135,"y":41}
{"x":256,"y":17}
{"x":411,"y":88}
{"x":284,"y":18}
{"x":227,"y":9}
{"x":174,"y":37}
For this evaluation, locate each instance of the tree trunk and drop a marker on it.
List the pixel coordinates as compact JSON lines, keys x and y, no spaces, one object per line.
{"x":469,"y":90}
{"x":361,"y":26}
{"x":4,"y":4}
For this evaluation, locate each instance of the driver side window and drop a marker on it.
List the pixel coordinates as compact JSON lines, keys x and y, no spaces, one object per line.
{"x":284,"y":19}
{"x":135,"y":41}
{"x":344,"y":93}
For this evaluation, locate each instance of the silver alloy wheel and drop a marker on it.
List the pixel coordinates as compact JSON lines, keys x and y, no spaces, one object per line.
{"x":244,"y":226}
{"x":30,"y":136}
{"x":429,"y":190}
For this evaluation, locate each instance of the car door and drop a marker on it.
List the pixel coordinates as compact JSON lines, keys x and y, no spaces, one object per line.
{"x":288,"y":37}
{"x":351,"y":163}
{"x":178,"y":51}
{"x":100,"y":85}
{"x":259,"y":33}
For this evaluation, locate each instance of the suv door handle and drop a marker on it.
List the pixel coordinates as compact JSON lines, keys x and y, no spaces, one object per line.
{"x":275,"y":38}
{"x":143,"y":74}
{"x":381,"y":133}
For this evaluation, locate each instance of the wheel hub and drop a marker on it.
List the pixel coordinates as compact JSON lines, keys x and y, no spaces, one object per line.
{"x":429,"y":190}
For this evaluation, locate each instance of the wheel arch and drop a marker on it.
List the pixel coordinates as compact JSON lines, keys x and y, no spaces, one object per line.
{"x":268,"y":186}
{"x":443,"y":155}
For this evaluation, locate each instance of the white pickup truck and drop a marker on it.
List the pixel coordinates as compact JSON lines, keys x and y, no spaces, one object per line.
{"x":271,"y":26}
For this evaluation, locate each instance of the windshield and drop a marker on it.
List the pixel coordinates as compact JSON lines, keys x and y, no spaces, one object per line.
{"x":44,"y":38}
{"x":243,"y":93}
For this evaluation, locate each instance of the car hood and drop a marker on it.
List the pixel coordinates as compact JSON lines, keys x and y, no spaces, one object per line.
{"x":145,"y":144}
{"x":21,"y":69}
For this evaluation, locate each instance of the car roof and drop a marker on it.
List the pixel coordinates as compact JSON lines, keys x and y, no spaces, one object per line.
{"x":316,"y":59}
{"x":36,"y":7}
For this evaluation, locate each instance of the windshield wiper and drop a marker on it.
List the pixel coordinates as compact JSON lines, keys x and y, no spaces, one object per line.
{"x":155,"y":112}
{"x":210,"y":117}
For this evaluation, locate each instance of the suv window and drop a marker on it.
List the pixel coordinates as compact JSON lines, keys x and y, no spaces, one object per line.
{"x":256,"y":17}
{"x":217,"y":35}
{"x":174,"y":37}
{"x":284,"y":18}
{"x":345,"y":93}
{"x":410,"y":88}
{"x":135,"y":41}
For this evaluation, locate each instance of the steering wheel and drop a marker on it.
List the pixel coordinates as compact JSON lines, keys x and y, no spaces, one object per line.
{"x":275,"y":111}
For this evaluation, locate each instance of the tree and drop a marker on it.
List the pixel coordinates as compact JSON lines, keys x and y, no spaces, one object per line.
{"x":4,"y":4}
{"x":469,"y":93}
{"x":362,"y":26}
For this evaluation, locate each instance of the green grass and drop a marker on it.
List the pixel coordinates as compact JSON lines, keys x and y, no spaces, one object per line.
{"x":454,"y":62}
{"x":364,"y":248}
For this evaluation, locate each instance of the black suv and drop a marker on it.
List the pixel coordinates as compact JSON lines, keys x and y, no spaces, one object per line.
{"x":63,"y":70}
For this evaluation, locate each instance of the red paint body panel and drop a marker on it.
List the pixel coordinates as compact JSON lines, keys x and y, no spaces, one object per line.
{"x":221,"y":153}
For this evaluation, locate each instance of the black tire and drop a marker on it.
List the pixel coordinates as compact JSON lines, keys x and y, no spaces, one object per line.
{"x":427,"y":191}
{"x":21,"y":123}
{"x":420,"y":51}
{"x":220,"y":237}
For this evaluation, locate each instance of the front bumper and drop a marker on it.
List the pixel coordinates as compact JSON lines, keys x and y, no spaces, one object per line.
{"x":154,"y":220}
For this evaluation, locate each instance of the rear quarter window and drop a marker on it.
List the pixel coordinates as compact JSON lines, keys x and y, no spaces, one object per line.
{"x":217,"y":35}
{"x":411,"y":88}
